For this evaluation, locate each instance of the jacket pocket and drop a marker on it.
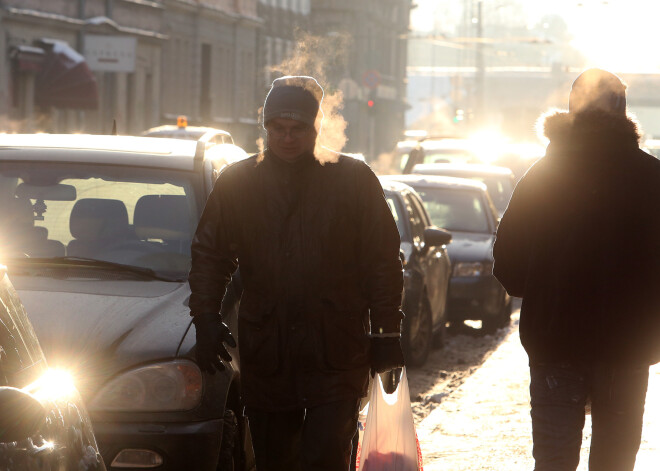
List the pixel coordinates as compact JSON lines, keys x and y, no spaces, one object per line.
{"x":345,"y":340}
{"x":258,"y":335}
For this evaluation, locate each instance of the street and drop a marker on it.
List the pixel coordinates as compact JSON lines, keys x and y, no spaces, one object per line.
{"x":484,"y":424}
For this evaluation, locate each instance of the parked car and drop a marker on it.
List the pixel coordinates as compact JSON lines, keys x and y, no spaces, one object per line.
{"x":427,"y":270}
{"x":499,"y":181}
{"x":432,"y":149}
{"x":196,"y":133}
{"x":43,"y":421}
{"x":463,"y":207}
{"x":97,"y":233}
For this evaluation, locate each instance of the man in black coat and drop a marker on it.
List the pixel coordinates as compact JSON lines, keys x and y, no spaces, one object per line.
{"x":580,"y":243}
{"x":318,"y":251}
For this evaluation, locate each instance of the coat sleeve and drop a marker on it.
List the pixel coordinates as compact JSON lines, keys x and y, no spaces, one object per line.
{"x":379,"y":255}
{"x":512,"y":249}
{"x":213,"y":253}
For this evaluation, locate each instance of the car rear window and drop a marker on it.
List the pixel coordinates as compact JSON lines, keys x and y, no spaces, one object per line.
{"x":455,"y":210}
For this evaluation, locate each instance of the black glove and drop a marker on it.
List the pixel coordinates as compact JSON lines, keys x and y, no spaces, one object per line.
{"x":211,"y":332}
{"x":386,"y":354}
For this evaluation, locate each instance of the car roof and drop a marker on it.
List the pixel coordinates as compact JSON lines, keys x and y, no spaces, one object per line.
{"x":463,"y":169}
{"x":170,"y":128}
{"x":436,"y":181}
{"x":394,"y":185}
{"x":176,"y":154}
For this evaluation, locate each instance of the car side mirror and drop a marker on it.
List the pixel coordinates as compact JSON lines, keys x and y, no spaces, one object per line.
{"x":21,"y":415}
{"x":436,"y":237}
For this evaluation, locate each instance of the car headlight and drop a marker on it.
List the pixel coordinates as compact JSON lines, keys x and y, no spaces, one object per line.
{"x":471,"y":269}
{"x":169,"y":386}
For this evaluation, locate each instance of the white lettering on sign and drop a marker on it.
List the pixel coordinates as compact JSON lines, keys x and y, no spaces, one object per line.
{"x":110,"y":53}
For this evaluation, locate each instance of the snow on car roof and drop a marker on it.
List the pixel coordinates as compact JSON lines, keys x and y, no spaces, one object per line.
{"x":90,"y":148}
{"x":435,"y":181}
{"x":472,"y":169}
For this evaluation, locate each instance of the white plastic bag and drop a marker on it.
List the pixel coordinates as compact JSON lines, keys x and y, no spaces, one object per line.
{"x":389,"y":442}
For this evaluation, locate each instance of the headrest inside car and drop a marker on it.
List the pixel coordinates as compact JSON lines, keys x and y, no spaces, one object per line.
{"x":96,"y":218}
{"x":165,"y":217}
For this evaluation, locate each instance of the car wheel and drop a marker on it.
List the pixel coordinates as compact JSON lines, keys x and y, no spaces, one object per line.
{"x":501,"y":320}
{"x":418,"y":335}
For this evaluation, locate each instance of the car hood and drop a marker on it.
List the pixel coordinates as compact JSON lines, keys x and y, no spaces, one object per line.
{"x":470,"y":247}
{"x":113,"y":324}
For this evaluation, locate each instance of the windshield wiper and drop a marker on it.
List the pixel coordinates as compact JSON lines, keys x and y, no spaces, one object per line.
{"x":92,"y":262}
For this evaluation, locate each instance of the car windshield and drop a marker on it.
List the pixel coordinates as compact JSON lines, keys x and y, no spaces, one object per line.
{"x":499,"y":190}
{"x":131,"y":216}
{"x":455,"y":210}
{"x":499,"y":187}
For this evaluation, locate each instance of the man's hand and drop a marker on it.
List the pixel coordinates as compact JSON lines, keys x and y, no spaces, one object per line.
{"x":211,"y":332}
{"x":386,"y":354}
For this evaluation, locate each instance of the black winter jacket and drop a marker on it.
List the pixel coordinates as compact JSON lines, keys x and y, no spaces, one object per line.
{"x":318,"y":250}
{"x":580,"y":243}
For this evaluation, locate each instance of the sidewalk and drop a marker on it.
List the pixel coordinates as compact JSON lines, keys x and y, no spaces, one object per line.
{"x":485,"y":424}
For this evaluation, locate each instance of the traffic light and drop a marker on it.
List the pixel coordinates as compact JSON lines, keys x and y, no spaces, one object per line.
{"x":371,"y":101}
{"x":459,"y":116}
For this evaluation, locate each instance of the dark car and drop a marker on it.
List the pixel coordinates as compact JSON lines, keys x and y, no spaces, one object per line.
{"x":43,"y":421}
{"x":427,"y":270}
{"x":97,"y":233}
{"x":499,"y":181}
{"x":463,"y":207}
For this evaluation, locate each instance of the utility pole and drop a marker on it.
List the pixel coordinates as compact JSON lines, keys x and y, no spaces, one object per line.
{"x":480,"y":78}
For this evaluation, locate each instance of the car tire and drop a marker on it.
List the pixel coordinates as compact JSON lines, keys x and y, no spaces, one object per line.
{"x":230,"y":446}
{"x":505,"y":316}
{"x":501,"y":320}
{"x":418,"y":335}
{"x":440,"y":336}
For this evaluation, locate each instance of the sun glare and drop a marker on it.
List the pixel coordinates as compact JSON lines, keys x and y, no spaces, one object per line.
{"x":615,"y":35}
{"x":54,"y":384}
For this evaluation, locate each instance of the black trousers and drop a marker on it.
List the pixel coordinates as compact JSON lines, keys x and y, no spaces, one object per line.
{"x":559,"y":393}
{"x":317,"y":438}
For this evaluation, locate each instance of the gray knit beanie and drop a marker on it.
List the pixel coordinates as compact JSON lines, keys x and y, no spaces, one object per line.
{"x":295,"y":97}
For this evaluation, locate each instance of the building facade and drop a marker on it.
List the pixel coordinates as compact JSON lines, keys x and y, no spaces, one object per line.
{"x":151,"y":61}
{"x":211,"y":60}
{"x":210,"y":65}
{"x":373,"y":80}
{"x":32,"y":78}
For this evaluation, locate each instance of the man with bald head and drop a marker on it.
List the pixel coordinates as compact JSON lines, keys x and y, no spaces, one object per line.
{"x":580,"y":244}
{"x":318,"y":251}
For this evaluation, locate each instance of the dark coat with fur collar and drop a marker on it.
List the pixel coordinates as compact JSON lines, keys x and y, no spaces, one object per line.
{"x":580,"y":243}
{"x":318,"y":251}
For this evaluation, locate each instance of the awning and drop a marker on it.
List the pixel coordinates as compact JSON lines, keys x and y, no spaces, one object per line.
{"x":27,"y":58}
{"x":65,"y":81}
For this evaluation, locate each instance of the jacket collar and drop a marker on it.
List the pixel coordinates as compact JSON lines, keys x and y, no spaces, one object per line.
{"x":592,"y":132}
{"x":303,"y":162}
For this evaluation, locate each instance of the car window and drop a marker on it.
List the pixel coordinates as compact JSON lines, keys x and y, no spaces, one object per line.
{"x":417,"y":223}
{"x":420,"y":209}
{"x":396,"y":207}
{"x":443,"y":156}
{"x":221,"y":139}
{"x":456,"y":210}
{"x":128,"y":215}
{"x":21,"y":359}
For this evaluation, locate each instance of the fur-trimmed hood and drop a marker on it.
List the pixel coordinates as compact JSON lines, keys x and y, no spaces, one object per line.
{"x":592,"y":127}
